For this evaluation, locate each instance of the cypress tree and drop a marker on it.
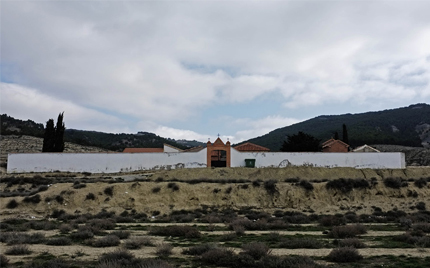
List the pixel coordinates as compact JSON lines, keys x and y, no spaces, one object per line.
{"x":336,"y":135}
{"x":345,"y":134}
{"x":59,"y":134}
{"x":49,"y":137}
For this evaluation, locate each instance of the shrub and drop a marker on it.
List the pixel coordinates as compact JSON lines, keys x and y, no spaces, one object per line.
{"x":239,"y":230}
{"x":351,"y":242}
{"x":35,"y":199}
{"x":395,"y":183}
{"x":346,"y":185}
{"x":90,"y":196}
{"x":270,"y":187}
{"x":4,"y":261}
{"x":175,"y":230}
{"x":117,"y":255}
{"x":12,"y":204}
{"x":423,"y":242}
{"x":79,"y":185}
{"x":256,"y":250}
{"x":218,"y":257}
{"x":228,"y":190}
{"x":288,"y":261}
{"x":347,"y":231}
{"x":344,"y":254}
{"x":199,"y":249}
{"x":18,"y":250}
{"x":122,"y":234}
{"x":306,"y":185}
{"x":59,"y":199}
{"x":301,"y":243}
{"x":103,"y":224}
{"x":256,"y":183}
{"x":138,"y":242}
{"x":57,"y":213}
{"x":82,"y":233}
{"x":421,"y":206}
{"x":164,"y":250}
{"x":107,"y":241}
{"x":228,"y":236}
{"x":173,"y":186}
{"x":421,"y":226}
{"x":156,"y":189}
{"x":420,"y":183}
{"x":59,"y":241}
{"x":331,"y":220}
{"x":108,"y":191}
{"x":13,"y":238}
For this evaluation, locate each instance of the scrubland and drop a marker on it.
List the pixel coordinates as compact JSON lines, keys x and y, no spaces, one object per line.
{"x":226,"y":217}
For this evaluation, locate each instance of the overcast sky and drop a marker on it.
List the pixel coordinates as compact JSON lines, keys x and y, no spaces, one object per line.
{"x":193,"y":69}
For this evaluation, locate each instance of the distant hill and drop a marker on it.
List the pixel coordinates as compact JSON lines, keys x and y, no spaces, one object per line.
{"x":407,"y":126}
{"x":109,"y":141}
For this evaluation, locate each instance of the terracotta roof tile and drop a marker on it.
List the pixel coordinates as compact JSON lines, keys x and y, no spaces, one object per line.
{"x":250,"y":147}
{"x":331,"y":141}
{"x":143,"y":150}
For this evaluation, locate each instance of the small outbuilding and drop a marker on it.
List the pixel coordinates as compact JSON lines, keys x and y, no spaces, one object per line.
{"x":334,"y":146}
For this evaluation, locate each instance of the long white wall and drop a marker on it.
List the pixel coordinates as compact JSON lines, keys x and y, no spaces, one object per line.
{"x":103,"y":162}
{"x":356,"y":160}
{"x":124,"y":162}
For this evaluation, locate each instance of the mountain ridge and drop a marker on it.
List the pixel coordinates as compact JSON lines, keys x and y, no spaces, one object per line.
{"x":407,"y":126}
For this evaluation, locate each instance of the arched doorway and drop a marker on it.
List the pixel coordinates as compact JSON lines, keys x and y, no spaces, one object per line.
{"x":218,"y":154}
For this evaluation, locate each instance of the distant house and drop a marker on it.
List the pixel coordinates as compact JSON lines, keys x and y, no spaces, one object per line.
{"x":334,"y":146}
{"x":366,"y":149}
{"x":250,"y":147}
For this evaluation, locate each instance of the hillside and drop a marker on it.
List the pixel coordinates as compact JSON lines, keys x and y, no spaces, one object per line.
{"x":408,"y":126}
{"x":108,"y":141}
{"x":223,"y":188}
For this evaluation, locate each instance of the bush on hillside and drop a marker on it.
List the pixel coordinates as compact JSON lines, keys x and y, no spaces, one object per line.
{"x":270,"y":187}
{"x":12,"y":204}
{"x":256,"y":250}
{"x":395,"y":183}
{"x":35,"y":199}
{"x":346,"y":185}
{"x":306,"y":185}
{"x":344,"y":254}
{"x":347,"y":231}
{"x":176,"y":230}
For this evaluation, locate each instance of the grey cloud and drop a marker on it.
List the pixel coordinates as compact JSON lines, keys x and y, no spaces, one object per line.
{"x":136,"y":57}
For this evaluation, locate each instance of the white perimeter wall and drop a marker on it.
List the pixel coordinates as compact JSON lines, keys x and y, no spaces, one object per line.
{"x":123,"y":162}
{"x":103,"y":162}
{"x":356,"y":160}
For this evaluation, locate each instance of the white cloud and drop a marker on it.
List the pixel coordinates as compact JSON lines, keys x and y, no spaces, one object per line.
{"x":126,"y":58}
{"x":27,"y":103}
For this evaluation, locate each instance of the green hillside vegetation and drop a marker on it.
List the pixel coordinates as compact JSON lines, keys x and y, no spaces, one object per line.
{"x":117,"y":142}
{"x":396,"y":126}
{"x":114,"y":142}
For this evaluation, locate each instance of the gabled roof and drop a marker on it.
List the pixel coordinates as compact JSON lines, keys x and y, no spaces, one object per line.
{"x":251,"y":147}
{"x":366,"y":148}
{"x":218,"y":141}
{"x":143,"y":150}
{"x":331,"y":141}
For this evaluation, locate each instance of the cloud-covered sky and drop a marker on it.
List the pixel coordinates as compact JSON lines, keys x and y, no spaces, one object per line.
{"x":193,"y":69}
